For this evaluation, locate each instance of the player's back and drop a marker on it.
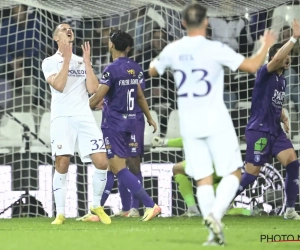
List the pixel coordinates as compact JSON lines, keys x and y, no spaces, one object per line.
{"x":74,"y":99}
{"x":267,"y":101}
{"x":197,"y":64}
{"x":120,"y":103}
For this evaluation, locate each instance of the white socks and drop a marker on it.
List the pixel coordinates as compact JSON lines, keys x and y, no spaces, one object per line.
{"x":206,"y":198}
{"x":99,"y":183}
{"x":225,"y":193}
{"x":60,"y":192}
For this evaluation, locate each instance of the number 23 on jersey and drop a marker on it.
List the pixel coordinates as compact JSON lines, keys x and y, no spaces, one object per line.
{"x":202,"y":73}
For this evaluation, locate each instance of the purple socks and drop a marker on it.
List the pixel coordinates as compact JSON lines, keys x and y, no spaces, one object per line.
{"x":108,"y":187}
{"x":135,"y":202}
{"x":132,"y":183}
{"x":246,"y":180}
{"x":125,"y":196}
{"x":291,"y":183}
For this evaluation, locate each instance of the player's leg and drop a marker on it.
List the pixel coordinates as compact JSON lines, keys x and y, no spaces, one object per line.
{"x":224,"y":149}
{"x":117,"y":151}
{"x":286,"y":155}
{"x":92,"y":148}
{"x":202,"y":171}
{"x":185,"y":188}
{"x":134,"y":165}
{"x":258,"y":153}
{"x":63,"y":138}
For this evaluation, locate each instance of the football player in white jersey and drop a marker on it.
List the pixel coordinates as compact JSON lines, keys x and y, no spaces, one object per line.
{"x":71,"y":79}
{"x":205,"y":123}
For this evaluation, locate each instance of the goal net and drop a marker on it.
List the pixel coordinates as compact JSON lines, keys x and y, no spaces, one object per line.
{"x":26,"y":167}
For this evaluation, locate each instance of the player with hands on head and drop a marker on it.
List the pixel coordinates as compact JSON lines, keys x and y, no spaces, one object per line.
{"x":71,"y":79}
{"x":120,"y":86}
{"x":265,"y":137}
{"x":197,"y":66}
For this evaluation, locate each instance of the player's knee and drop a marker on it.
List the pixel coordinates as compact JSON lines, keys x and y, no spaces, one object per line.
{"x":134,"y":164}
{"x":62,"y":164}
{"x":237,"y":173}
{"x":99,"y":161}
{"x":178,"y":169}
{"x":251,"y":169}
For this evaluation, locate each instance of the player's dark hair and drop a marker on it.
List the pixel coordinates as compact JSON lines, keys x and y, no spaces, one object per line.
{"x":121,"y":40}
{"x":56,"y":27}
{"x":273,"y":50}
{"x":194,"y":14}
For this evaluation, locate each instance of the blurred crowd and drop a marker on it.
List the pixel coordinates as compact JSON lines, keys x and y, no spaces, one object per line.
{"x":26,"y":39}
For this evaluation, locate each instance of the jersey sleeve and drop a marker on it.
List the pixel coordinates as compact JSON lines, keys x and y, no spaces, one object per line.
{"x":226,"y":56}
{"x":163,"y":60}
{"x":49,"y":68}
{"x":107,"y":77}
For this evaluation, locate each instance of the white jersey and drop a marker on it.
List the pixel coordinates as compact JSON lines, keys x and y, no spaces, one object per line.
{"x":197,"y":65}
{"x":74,"y":100}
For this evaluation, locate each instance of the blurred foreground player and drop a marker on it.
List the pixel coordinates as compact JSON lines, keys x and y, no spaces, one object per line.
{"x":205,"y":123}
{"x":120,"y":85}
{"x":265,"y":137}
{"x":186,"y":186}
{"x":71,"y":78}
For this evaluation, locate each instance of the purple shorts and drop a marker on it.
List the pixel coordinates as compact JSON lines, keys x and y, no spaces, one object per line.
{"x":261,"y":146}
{"x":136,"y":145}
{"x":116,"y":142}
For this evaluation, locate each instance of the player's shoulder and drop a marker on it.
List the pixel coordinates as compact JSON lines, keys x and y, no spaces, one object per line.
{"x":52,"y":58}
{"x":263,"y":70}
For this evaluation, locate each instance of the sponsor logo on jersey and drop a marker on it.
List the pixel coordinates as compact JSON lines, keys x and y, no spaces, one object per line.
{"x":128,"y":82}
{"x":131,"y":72}
{"x":77,"y":72}
{"x":267,"y":190}
{"x":278,"y":98}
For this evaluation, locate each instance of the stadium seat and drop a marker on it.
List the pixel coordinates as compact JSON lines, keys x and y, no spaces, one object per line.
{"x":98,"y":117}
{"x":148,"y":134}
{"x":11,"y":131}
{"x":44,"y":135}
{"x":173,"y":129}
{"x":284,"y":15}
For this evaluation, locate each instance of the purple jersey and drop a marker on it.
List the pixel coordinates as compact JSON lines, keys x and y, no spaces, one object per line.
{"x":120,"y":103}
{"x":267,"y":100}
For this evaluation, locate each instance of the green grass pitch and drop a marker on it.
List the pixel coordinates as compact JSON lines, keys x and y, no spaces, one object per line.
{"x":129,"y":234}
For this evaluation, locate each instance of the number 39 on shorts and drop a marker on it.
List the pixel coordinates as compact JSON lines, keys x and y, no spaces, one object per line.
{"x":201,"y":80}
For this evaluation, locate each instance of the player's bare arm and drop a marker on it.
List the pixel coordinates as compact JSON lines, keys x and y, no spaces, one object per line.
{"x":285,"y":122}
{"x":91,"y":79}
{"x":58,"y":81}
{"x":285,"y":50}
{"x":141,"y":100}
{"x":252,"y":64}
{"x":99,"y":95}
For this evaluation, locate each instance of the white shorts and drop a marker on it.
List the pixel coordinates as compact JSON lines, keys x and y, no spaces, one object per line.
{"x":220,"y":150}
{"x":72,"y":133}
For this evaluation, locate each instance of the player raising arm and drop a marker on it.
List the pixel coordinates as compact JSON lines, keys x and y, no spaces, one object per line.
{"x":264,"y":135}
{"x":120,"y":85}
{"x":205,"y":123}
{"x":71,"y":78}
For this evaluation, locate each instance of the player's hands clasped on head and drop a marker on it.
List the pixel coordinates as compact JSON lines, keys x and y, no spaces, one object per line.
{"x":66,"y":50}
{"x":86,"y":49}
{"x":269,"y":37}
{"x":153,"y":124}
{"x":296,"y":28}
